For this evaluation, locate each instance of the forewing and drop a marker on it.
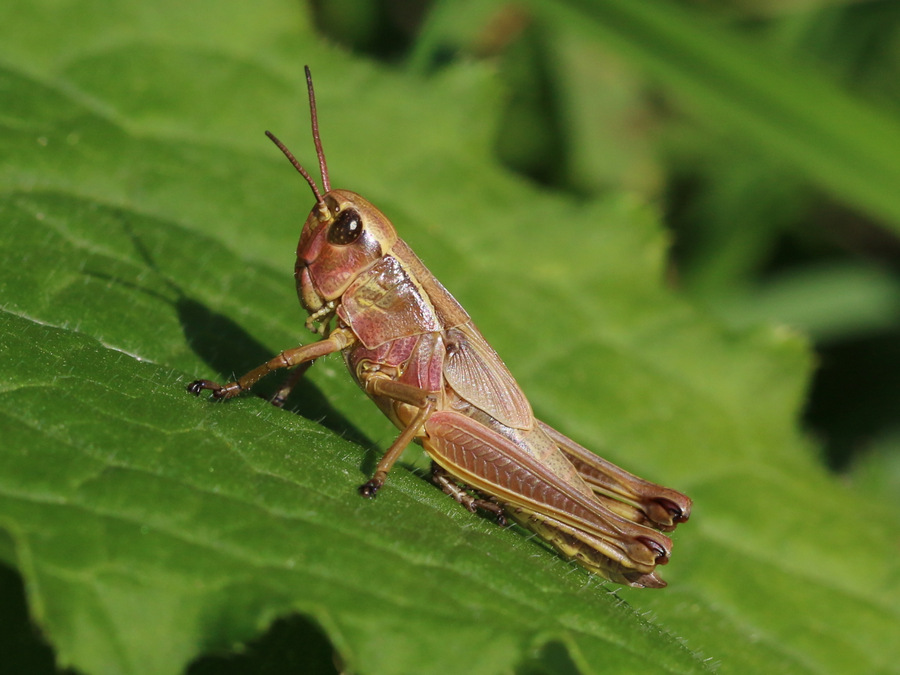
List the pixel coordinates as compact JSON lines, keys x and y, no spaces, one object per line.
{"x":663,"y":507}
{"x":475,"y":372}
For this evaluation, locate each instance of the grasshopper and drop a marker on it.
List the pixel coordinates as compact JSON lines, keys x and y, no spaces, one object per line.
{"x":412,"y":348}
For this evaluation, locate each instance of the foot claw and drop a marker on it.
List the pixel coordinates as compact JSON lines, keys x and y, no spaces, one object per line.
{"x":217,"y":392}
{"x":369,"y":489}
{"x":197,"y":386}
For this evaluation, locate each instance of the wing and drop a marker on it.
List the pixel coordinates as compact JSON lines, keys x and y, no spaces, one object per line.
{"x":663,"y":507}
{"x":475,"y":372}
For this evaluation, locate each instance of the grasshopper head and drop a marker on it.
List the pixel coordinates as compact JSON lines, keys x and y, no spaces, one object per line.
{"x":343,"y":236}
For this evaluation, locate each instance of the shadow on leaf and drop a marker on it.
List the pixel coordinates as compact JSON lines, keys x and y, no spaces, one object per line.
{"x":22,"y":647}
{"x":292,"y":644}
{"x":230,"y":350}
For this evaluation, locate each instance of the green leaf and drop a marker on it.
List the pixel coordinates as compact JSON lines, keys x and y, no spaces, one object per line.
{"x":148,"y":236}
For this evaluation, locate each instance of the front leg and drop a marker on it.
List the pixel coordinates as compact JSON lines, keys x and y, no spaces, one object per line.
{"x":335,"y":342}
{"x":289,"y":383}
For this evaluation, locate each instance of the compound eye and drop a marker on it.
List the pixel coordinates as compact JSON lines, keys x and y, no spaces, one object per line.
{"x":346,"y":228}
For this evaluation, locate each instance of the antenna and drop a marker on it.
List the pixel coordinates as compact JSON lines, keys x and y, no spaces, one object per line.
{"x":319,"y":152}
{"x":323,"y":168}
{"x":303,"y":172}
